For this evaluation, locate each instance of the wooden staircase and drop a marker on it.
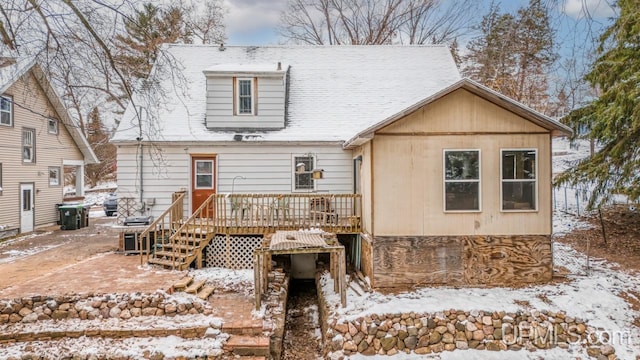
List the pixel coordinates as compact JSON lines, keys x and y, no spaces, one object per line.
{"x":178,"y":242}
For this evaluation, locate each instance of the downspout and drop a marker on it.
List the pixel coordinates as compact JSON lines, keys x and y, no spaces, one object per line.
{"x":141,"y":156}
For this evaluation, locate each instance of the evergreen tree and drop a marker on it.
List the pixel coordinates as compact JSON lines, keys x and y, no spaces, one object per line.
{"x":614,"y":117}
{"x":146,"y":32}
{"x":513,"y":54}
{"x":98,"y":138}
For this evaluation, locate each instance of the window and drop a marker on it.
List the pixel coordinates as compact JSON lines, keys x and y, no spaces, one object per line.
{"x":462,"y":180}
{"x":52,"y":125}
{"x":244,"y":102}
{"x":28,"y":145}
{"x":54,"y":176}
{"x":6,"y":111}
{"x":204,"y":174}
{"x":303,"y":178}
{"x":519,"y":180}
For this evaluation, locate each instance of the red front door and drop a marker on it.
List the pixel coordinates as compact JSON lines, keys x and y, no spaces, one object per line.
{"x":203,"y":179}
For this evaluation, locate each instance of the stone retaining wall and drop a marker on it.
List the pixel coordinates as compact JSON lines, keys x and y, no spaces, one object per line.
{"x":451,"y":330}
{"x":91,"y":306}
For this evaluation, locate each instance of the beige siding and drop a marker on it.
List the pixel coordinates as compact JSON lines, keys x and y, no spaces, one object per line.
{"x":266,"y":168}
{"x":51,"y":150}
{"x":408,"y":170}
{"x":270,"y":104}
{"x":462,"y":111}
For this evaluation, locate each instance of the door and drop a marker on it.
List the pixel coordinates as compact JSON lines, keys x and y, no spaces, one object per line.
{"x":26,"y":208}
{"x":203,"y":179}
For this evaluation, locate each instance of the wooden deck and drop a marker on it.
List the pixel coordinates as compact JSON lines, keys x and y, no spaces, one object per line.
{"x":179,"y":241}
{"x":268,"y":213}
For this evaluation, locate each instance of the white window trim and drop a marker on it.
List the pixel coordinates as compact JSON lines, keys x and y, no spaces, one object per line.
{"x":56,"y":126}
{"x":10,"y":99}
{"x":195,"y":173}
{"x":253,"y":96}
{"x":33,"y":146}
{"x":445,"y":181}
{"x":515,"y":180}
{"x":293,"y":173}
{"x":57,"y":170}
{"x":0,"y":179}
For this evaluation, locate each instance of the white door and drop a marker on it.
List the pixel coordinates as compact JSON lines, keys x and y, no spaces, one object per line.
{"x":26,"y":208}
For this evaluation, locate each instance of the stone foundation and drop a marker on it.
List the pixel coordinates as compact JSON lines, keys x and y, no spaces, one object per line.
{"x":90,"y":307}
{"x":462,"y":330}
{"x":405,"y":261}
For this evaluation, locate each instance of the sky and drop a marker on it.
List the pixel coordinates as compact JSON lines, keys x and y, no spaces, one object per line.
{"x":254,"y":22}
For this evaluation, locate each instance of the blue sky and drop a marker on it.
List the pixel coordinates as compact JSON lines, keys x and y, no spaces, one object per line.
{"x":254,"y":22}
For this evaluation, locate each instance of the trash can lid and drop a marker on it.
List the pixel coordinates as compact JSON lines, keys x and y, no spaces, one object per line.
{"x":71,"y":206}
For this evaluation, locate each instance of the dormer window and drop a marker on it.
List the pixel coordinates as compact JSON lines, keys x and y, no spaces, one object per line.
{"x":245,"y":96}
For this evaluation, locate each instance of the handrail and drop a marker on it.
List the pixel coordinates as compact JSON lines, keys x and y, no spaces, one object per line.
{"x":198,"y":214}
{"x":174,"y":209}
{"x":268,"y":212}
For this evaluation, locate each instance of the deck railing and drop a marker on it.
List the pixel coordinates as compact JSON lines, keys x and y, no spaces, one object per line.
{"x":163,"y":226}
{"x":260,"y":213}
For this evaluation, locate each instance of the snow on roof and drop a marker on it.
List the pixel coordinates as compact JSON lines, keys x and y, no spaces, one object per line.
{"x":245,"y":68}
{"x":334,"y":91}
{"x":12,"y":72}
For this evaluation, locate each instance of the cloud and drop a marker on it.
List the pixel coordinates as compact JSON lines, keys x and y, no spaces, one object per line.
{"x":247,"y":16}
{"x":588,"y":8}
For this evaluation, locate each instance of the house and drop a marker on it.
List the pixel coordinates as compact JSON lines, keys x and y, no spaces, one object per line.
{"x":39,"y":139}
{"x":426,"y":177}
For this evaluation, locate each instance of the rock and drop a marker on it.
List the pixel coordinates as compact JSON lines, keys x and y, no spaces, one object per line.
{"x":64,"y":307}
{"x":478,"y":335}
{"x":462,"y":345}
{"x":434,"y":338}
{"x":125,"y":314}
{"x":352,"y":329}
{"x":337,"y":342}
{"x":59,"y":315}
{"x":580,"y":329}
{"x":168,"y":309}
{"x":497,"y":334}
{"x":341,"y":328}
{"x":441,"y":329}
{"x":388,"y":342}
{"x":392,"y":352}
{"x":423,"y":341}
{"x":471,"y":327}
{"x":593,"y":351}
{"x":607,"y":350}
{"x":369,"y":351}
{"x":376,"y":344}
{"x":362,"y":346}
{"x":24,"y":311}
{"x":449,"y":347}
{"x":359,"y":337}
{"x":447,"y":338}
{"x":135,"y":311}
{"x":115,"y":312}
{"x":460,"y":326}
{"x":439,"y":347}
{"x":350,"y":346}
{"x":149,"y":311}
{"x":422,"y":351}
{"x":487,"y":320}
{"x":507,"y":319}
{"x":492,"y":346}
{"x":411,"y":342}
{"x":30,"y":318}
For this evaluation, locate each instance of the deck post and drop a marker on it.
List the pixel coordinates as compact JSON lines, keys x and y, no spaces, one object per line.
{"x":342,"y":274}
{"x":257,"y":286}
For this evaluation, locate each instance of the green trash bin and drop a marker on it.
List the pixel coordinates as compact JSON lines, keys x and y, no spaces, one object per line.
{"x":70,"y":217}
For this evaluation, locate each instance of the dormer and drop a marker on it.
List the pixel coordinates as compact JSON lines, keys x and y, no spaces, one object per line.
{"x":246,"y":96}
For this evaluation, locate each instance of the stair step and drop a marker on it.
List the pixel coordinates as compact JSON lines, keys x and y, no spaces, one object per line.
{"x":195,"y":287}
{"x":171,"y":254}
{"x":182,"y":283}
{"x":179,"y":247}
{"x":206,"y":292}
{"x":165,"y":262}
{"x":248,"y":345}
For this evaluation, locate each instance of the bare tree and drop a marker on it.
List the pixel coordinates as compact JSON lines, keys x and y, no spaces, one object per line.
{"x":370,"y":22}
